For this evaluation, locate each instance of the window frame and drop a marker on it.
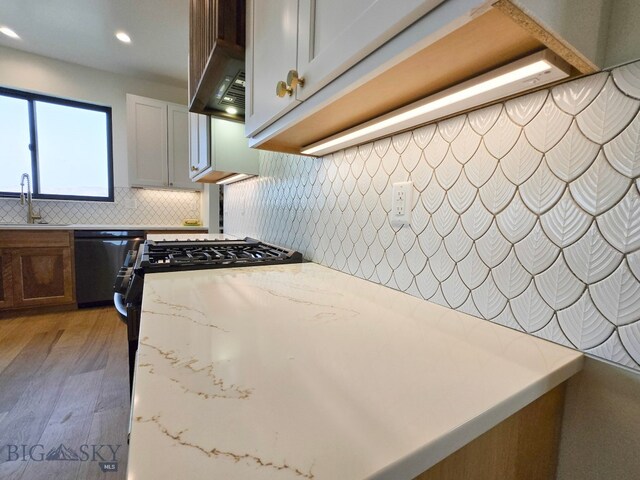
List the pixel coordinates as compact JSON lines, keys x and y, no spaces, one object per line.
{"x":33,"y":147}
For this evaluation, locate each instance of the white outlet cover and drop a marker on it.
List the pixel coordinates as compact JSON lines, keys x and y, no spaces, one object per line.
{"x":401,"y":203}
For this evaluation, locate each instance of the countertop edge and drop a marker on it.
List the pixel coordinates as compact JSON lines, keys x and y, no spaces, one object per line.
{"x":432,"y":453}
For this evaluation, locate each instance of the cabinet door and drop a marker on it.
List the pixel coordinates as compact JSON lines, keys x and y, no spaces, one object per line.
{"x":230,"y":149}
{"x":42,"y":276}
{"x":199,"y":150}
{"x":147,"y":141}
{"x":334,"y":35}
{"x":272,"y":37}
{"x":6,"y":283}
{"x":178,"y":145}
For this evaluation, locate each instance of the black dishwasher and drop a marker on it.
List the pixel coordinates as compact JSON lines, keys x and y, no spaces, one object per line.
{"x":99,"y":254}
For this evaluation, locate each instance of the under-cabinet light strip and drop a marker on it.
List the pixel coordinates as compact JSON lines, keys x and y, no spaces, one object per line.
{"x":535,"y":70}
{"x":233,"y":178}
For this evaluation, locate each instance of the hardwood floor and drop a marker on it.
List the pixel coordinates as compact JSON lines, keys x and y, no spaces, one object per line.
{"x":63,"y":380}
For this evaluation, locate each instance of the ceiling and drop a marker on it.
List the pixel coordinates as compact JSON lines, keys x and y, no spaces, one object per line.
{"x":82,"y":32}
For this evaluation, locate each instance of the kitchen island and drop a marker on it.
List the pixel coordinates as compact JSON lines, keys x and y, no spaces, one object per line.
{"x":300,"y":371}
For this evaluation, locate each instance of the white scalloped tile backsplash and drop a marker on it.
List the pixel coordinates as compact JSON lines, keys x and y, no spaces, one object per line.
{"x":132,"y":206}
{"x":526,"y":213}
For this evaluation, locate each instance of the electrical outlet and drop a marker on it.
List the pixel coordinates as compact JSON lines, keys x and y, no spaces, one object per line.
{"x":401,"y":202}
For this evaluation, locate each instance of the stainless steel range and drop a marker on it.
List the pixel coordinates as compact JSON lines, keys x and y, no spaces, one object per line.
{"x":169,"y":256}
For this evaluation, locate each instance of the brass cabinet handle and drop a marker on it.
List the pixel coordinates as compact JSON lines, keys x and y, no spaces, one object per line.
{"x":283,"y":89}
{"x":293,"y":79}
{"x":194,"y":169}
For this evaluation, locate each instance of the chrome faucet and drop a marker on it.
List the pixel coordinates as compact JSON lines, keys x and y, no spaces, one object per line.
{"x":32,"y":214}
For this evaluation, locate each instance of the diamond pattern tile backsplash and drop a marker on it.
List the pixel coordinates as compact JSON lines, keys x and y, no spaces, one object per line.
{"x":525,"y":213}
{"x":132,"y":206}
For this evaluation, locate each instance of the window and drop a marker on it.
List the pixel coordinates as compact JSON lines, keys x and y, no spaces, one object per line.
{"x":64,"y":146}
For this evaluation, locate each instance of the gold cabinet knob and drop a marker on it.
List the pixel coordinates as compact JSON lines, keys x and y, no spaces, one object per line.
{"x":293,"y":79}
{"x":194,"y":168}
{"x":283,"y":89}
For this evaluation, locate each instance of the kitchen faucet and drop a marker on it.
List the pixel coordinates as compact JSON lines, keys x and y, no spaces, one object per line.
{"x":31,"y":213}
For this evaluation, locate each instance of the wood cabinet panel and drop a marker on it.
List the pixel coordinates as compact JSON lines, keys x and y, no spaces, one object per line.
{"x":42,"y":276}
{"x":6,"y":283}
{"x":35,"y":238}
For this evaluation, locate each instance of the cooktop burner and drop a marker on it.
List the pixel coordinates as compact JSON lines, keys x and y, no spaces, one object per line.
{"x":194,"y":254}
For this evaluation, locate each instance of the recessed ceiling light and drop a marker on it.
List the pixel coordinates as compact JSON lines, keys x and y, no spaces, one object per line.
{"x":8,"y":32}
{"x":232,"y":110}
{"x":123,"y":37}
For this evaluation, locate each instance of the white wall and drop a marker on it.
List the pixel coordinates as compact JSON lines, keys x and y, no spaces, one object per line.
{"x":25,"y":71}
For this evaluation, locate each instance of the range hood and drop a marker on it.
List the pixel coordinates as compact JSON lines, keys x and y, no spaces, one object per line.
{"x":216,"y":58}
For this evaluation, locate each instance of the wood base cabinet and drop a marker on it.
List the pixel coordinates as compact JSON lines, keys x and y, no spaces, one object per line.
{"x":37,"y":269}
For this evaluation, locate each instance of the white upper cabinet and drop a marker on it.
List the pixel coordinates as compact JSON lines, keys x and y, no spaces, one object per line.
{"x":158,"y":144}
{"x":199,"y":156}
{"x":318,"y":39}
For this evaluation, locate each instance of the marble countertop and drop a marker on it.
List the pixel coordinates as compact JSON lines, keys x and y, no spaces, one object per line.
{"x":302,"y":372}
{"x":79,"y":226}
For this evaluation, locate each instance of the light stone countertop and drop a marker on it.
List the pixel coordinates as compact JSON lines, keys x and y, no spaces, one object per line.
{"x":189,"y":236}
{"x":302,"y":372}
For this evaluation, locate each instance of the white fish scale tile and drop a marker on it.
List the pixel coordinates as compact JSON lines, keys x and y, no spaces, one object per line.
{"x":554,"y":333}
{"x":469,"y":307}
{"x":536,"y":252}
{"x":390,"y":161}
{"x":521,"y":161}
{"x":405,"y":238}
{"x":448,"y":171}
{"x":451,"y":127}
{"x":591,"y":258}
{"x":630,"y":337}
{"x":476,"y":220}
{"x":516,"y":221}
{"x":458,"y":243}
{"x":621,"y":225}
{"x":416,"y":259}
{"x":530,"y":309}
{"x":435,"y":151}
{"x":421,"y":175}
{"x":548,"y":126}
{"x":507,"y":319}
{"x":419,"y":218}
{"x":617,"y":296}
{"x":613,"y":351}
{"x":364,"y":152}
{"x":403,"y":276}
{"x":488,"y":299}
{"x":444,"y":219}
{"x":371,"y":166}
{"x":511,"y":277}
{"x":384,"y":271}
{"x":441,"y":264}
{"x":427,"y":283}
{"x":454,"y":290}
{"x":481,"y":166}
{"x":482,"y":120}
{"x":411,"y":156}
{"x":462,"y":194}
{"x":600,"y":187}
{"x":573,"y":97}
{"x":571,"y":157}
{"x":465,"y":144}
{"x":558,"y":286}
{"x":433,"y":196}
{"x":401,"y":141}
{"x":523,"y":109}
{"x":542,"y":190}
{"x":472,"y":269}
{"x":502,"y":136}
{"x":492,"y":247}
{"x":565,"y":222}
{"x":583,"y":324}
{"x":430,"y":240}
{"x":497,"y":192}
{"x":382,"y":146}
{"x":423,"y":135}
{"x":608,"y":114}
{"x":386,"y":235}
{"x":627,"y":79}
{"x":438,"y":298}
{"x":623,"y":152}
{"x":633,"y":260}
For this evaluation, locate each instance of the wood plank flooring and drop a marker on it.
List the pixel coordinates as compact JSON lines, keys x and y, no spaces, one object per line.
{"x":63,"y":380}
